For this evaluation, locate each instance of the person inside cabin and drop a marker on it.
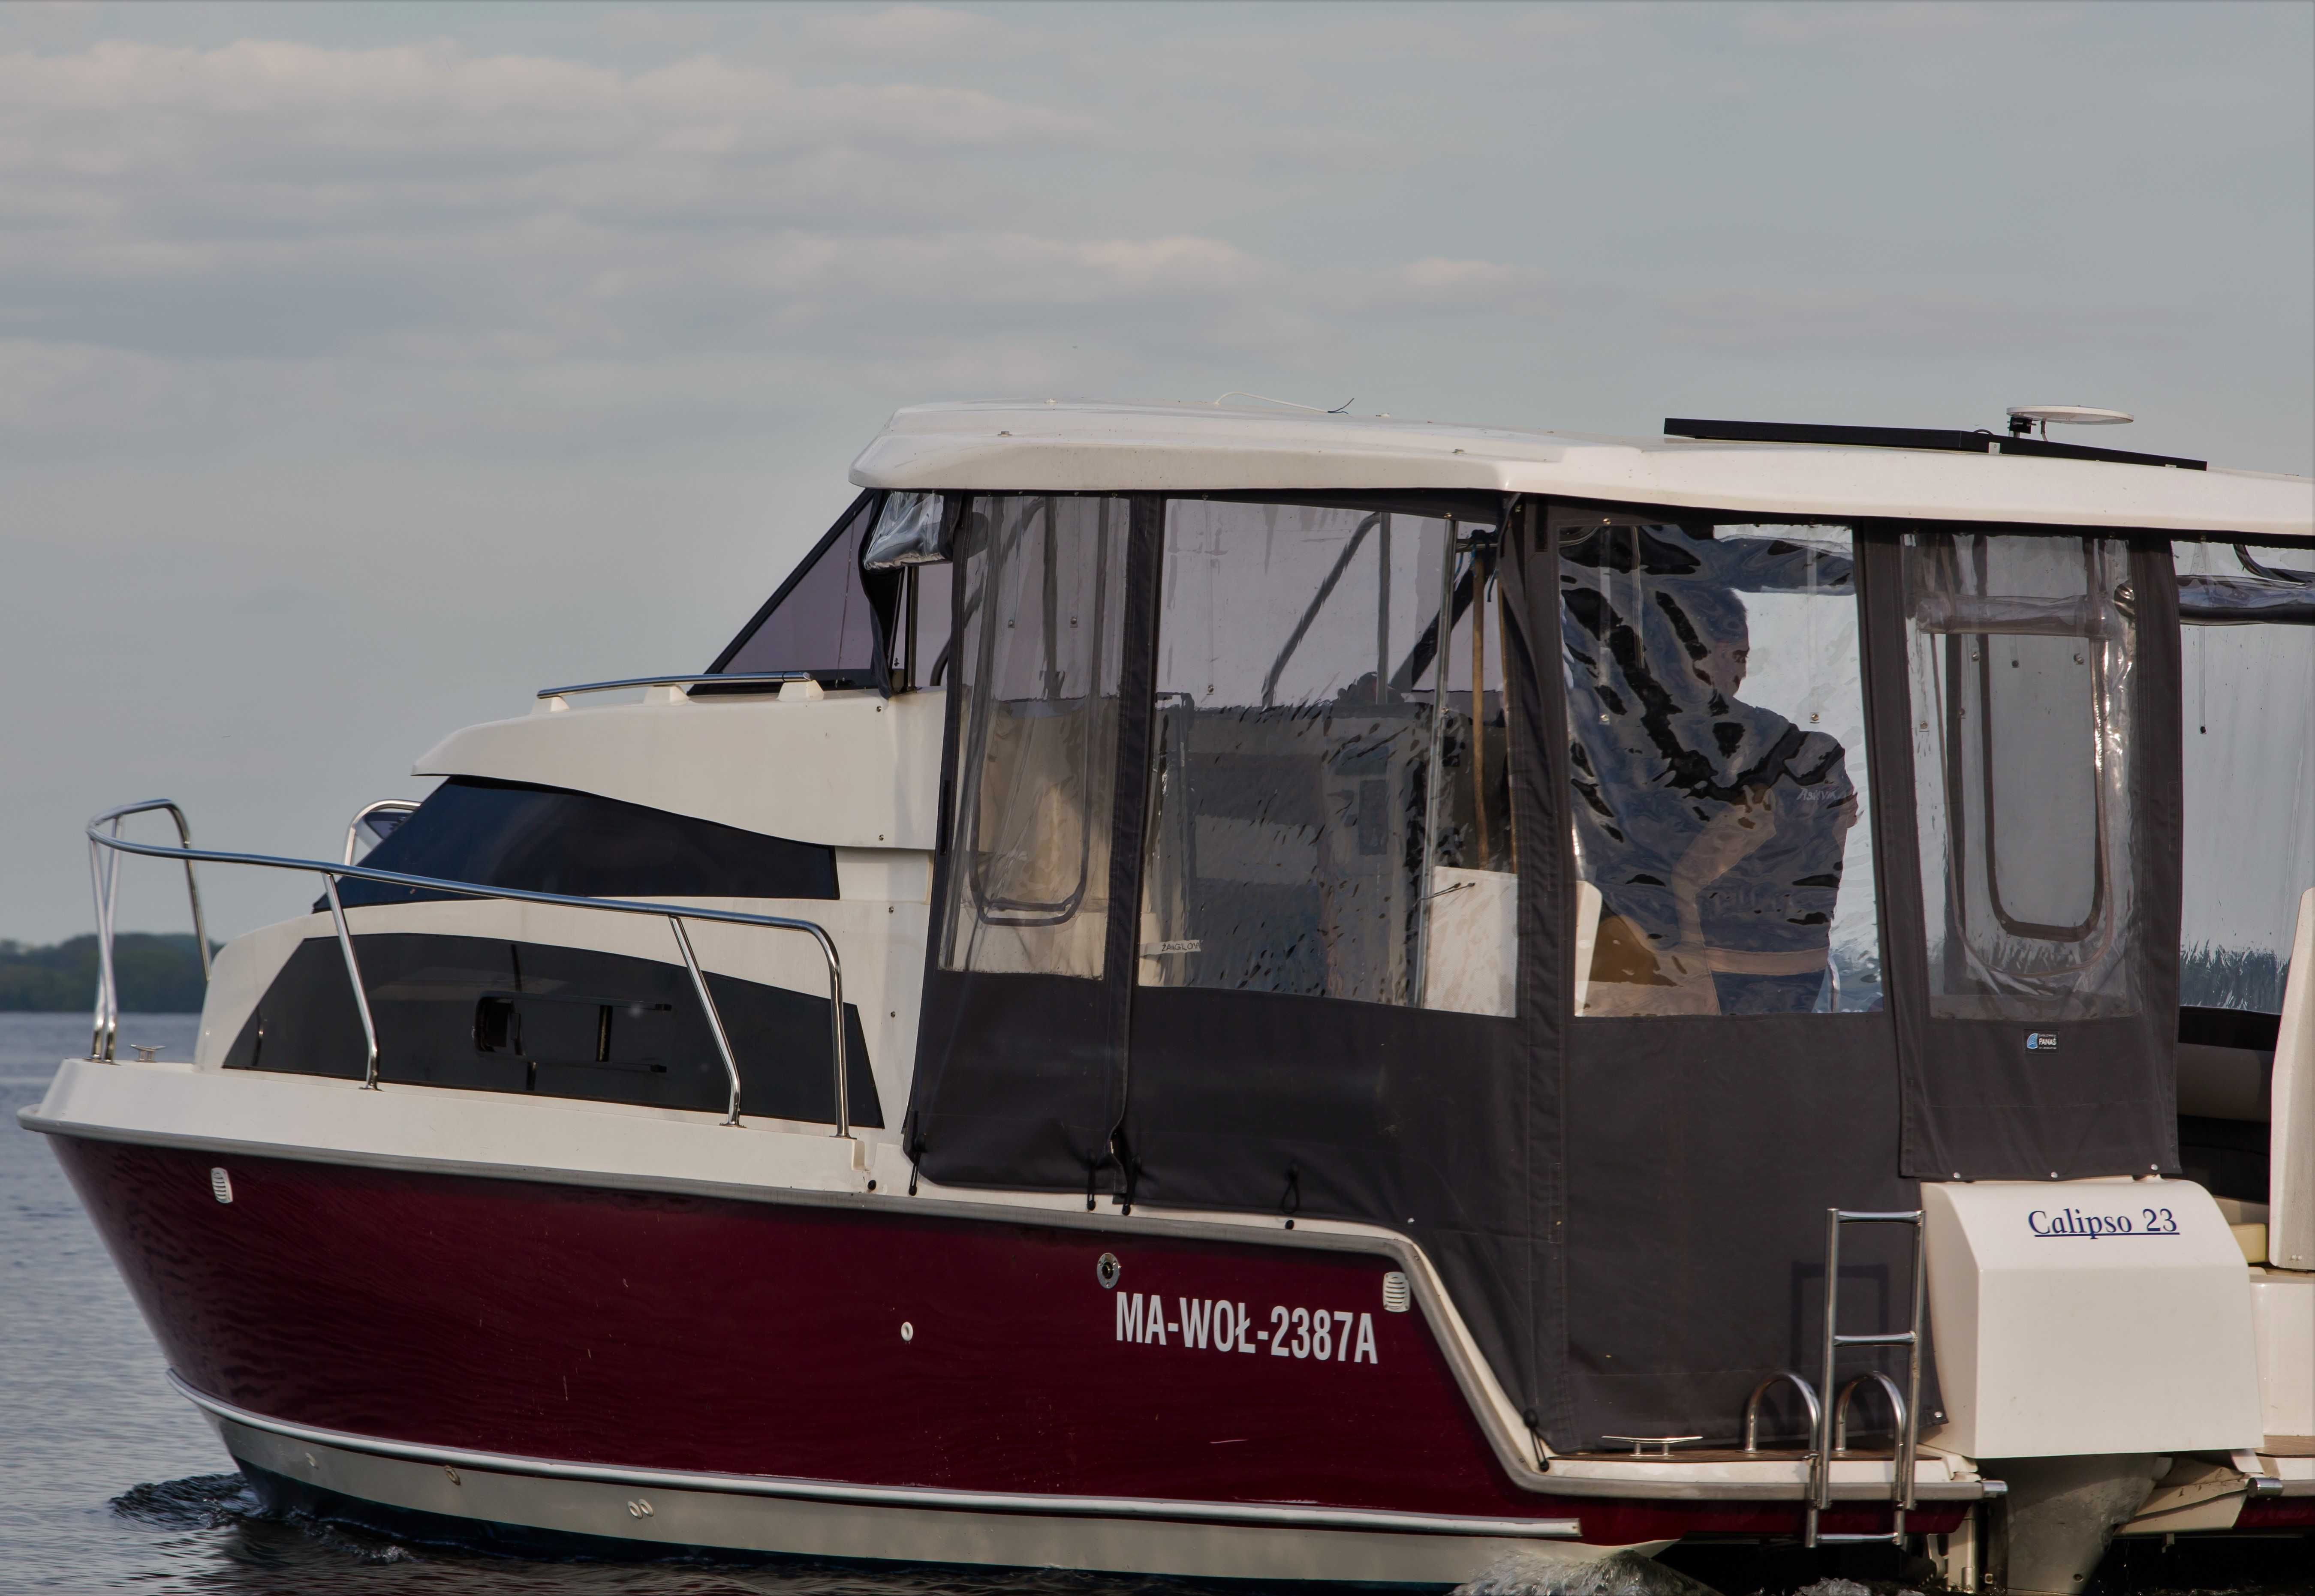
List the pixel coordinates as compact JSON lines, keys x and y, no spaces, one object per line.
{"x":1712,"y":829}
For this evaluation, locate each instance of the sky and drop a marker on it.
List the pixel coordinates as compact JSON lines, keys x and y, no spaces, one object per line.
{"x":365,"y":367}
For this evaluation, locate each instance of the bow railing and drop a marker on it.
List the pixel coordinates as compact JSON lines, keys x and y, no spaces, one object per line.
{"x":106,"y":844}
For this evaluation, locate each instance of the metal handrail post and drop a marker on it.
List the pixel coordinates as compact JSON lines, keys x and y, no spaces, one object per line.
{"x":105,"y":880}
{"x":100,"y":867}
{"x":192,"y":888}
{"x":714,"y":1017}
{"x":836,"y":1034}
{"x":112,"y":964}
{"x":1820,"y":1481}
{"x":353,"y":975}
{"x":1910,"y":1432}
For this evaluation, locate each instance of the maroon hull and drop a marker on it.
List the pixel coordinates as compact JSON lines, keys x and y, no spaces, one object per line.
{"x":668,"y":1331}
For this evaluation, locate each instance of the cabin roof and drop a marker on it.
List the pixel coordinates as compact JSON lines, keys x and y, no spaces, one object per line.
{"x":1077,"y":446}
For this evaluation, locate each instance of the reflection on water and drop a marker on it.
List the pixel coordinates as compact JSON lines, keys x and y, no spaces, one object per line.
{"x":210,"y":1534}
{"x":85,"y":1416}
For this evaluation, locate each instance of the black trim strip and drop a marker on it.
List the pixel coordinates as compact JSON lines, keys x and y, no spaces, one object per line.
{"x":1913,"y":438}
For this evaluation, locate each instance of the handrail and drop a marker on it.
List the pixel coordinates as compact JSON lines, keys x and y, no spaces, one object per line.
{"x":1752,"y":1406}
{"x":678,"y":681}
{"x":383,"y":806}
{"x":331,"y":874}
{"x":1849,"y":1392}
{"x":105,"y":1027}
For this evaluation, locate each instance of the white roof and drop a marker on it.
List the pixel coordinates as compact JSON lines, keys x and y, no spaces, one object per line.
{"x":1072,"y":446}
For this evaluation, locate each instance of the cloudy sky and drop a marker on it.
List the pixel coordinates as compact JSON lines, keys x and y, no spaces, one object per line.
{"x":363,"y":368}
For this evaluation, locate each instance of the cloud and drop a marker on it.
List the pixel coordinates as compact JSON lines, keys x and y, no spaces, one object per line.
{"x":287,"y":210}
{"x":903,"y":30}
{"x":1945,"y":324}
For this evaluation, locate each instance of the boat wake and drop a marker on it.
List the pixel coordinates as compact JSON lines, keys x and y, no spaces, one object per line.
{"x":1539,"y":1572}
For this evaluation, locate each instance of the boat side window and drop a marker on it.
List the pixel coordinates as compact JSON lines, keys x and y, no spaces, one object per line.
{"x":822,"y":618}
{"x":1716,"y":752}
{"x":2021,"y":650}
{"x":1037,"y":657}
{"x":2248,"y":730}
{"x":1298,"y":747}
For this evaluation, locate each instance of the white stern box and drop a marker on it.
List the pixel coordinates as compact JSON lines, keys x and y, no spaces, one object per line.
{"x":2089,"y":1316}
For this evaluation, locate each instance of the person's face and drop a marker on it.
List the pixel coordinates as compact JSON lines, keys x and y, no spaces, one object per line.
{"x":1723,"y":666}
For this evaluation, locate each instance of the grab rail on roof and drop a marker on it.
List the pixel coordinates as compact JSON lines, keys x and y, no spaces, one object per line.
{"x":401,"y":806}
{"x":104,"y":872}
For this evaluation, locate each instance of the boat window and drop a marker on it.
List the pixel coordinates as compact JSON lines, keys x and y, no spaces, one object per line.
{"x":2022,"y":649}
{"x":2249,"y":726}
{"x":480,"y":1015}
{"x":1296,"y":753}
{"x":1716,"y":738}
{"x":1037,"y":659}
{"x":820,"y":620}
{"x":546,"y":839}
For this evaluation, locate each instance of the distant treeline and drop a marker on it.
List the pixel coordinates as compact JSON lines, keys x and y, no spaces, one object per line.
{"x":158,"y":974}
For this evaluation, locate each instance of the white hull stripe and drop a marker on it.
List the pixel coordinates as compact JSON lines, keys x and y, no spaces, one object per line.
{"x":901,"y":1496}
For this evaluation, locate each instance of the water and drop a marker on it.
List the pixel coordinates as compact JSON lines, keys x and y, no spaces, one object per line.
{"x":110,"y":1481}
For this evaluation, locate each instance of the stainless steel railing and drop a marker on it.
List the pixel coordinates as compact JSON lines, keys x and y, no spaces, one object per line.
{"x":727,"y":678}
{"x":401,"y":806}
{"x":104,"y":873}
{"x":104,"y":877}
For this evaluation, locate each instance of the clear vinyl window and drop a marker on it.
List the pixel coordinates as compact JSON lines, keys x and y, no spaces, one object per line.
{"x":2021,"y":652}
{"x":1716,"y":750}
{"x":1320,"y":824}
{"x":1036,"y":657}
{"x":2249,"y":646}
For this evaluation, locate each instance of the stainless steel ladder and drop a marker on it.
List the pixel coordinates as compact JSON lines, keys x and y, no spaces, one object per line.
{"x":1832,"y":1414}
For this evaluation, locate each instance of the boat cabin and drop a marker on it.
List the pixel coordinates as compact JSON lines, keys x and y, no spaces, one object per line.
{"x":1593,"y":858}
{"x":1550,"y":936}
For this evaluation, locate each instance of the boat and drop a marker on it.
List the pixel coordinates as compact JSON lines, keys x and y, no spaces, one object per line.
{"x":1229,"y":992}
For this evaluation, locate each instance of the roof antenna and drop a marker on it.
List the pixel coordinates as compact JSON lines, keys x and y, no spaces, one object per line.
{"x":2023,"y":417}
{"x":1344,"y":405}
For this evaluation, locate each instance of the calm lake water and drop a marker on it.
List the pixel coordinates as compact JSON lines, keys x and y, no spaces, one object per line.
{"x":110,"y":1481}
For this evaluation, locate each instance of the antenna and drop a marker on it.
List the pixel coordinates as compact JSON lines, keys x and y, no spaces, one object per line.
{"x":2023,"y":417}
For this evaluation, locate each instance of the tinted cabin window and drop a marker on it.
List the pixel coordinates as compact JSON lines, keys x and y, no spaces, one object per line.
{"x":485,"y":1016}
{"x":1300,"y":757}
{"x":1716,"y":732}
{"x":2022,"y":649}
{"x":1038,"y":654}
{"x":824,"y":619}
{"x":545,"y":839}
